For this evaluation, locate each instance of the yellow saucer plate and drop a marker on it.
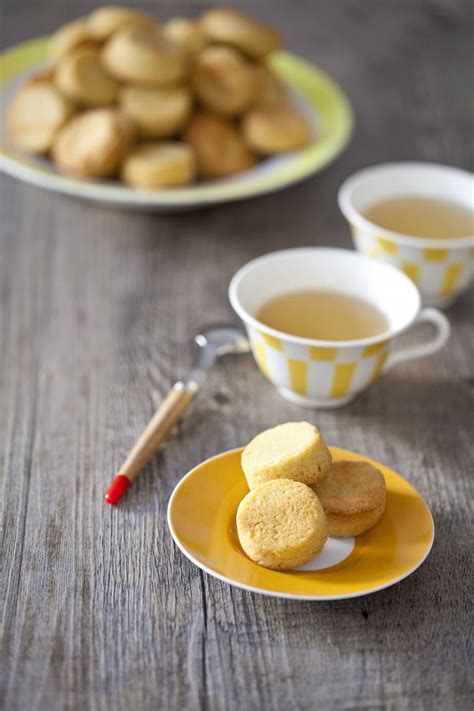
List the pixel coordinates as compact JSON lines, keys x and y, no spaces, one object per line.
{"x":323,"y":102}
{"x":201,"y":518}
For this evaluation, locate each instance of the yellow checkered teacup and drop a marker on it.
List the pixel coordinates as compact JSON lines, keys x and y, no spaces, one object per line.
{"x":441,"y":268}
{"x":330,"y":373}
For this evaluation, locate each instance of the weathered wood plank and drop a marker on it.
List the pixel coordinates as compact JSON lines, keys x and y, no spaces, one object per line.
{"x":97,"y":309}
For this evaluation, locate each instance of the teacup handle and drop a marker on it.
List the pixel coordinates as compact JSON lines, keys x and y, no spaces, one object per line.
{"x":443,"y":328}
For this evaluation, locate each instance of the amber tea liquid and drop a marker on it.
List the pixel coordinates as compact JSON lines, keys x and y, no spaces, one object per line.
{"x":323,"y":315}
{"x":423,"y":217}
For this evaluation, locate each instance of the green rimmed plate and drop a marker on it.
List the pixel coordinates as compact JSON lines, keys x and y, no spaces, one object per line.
{"x":321,"y":100}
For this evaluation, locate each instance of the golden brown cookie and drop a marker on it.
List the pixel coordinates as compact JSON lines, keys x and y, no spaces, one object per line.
{"x":145,"y":56}
{"x":224,"y":81}
{"x":226,"y":26}
{"x":42,"y":75}
{"x":158,"y":113}
{"x":103,"y":22}
{"x":81,"y":77}
{"x":186,"y":33}
{"x":93,"y":144}
{"x":353,"y":497}
{"x":36,"y":114}
{"x":294,"y":450}
{"x":272,"y":91}
{"x":281,"y":524}
{"x":159,"y":165}
{"x":219,"y":147}
{"x":68,"y":37}
{"x":270,"y":130}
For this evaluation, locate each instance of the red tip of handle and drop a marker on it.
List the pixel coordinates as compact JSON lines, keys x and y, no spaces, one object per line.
{"x":117,"y":489}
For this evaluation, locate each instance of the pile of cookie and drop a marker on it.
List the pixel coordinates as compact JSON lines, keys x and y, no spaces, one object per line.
{"x":157,"y":105}
{"x":299,"y":496}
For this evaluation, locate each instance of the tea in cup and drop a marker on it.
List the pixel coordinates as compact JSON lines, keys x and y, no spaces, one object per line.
{"x":322,"y":322}
{"x":418,"y":217}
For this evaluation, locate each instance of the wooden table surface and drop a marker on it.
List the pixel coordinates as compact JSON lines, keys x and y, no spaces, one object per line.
{"x":97,"y":311}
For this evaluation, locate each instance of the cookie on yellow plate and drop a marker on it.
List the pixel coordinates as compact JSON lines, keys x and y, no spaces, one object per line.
{"x":220,"y":149}
{"x":68,"y":37}
{"x":143,"y":55}
{"x":353,"y":497}
{"x":294,"y":450}
{"x":159,"y":165}
{"x":81,"y":77}
{"x":103,"y":22}
{"x":158,"y":113}
{"x":281,"y":524}
{"x":275,"y":129}
{"x":36,"y":114}
{"x":226,"y":26}
{"x":93,"y":143}
{"x":186,"y":33}
{"x":224,"y":81}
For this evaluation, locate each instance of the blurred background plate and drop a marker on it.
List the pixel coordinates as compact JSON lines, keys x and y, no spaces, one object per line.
{"x":322,"y":101}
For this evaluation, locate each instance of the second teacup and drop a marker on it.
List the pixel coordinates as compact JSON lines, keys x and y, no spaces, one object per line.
{"x":442,"y":268}
{"x":327,"y":374}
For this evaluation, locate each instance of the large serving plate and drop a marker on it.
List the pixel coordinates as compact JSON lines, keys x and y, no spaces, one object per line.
{"x":322,"y":101}
{"x":202,"y":520}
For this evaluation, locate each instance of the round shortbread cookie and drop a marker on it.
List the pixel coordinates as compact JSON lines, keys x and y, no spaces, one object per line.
{"x":227,"y":26}
{"x":353,"y":497}
{"x":220,"y":149}
{"x":281,"y":524}
{"x":159,"y":165}
{"x":68,"y":37}
{"x":103,"y":22}
{"x":294,"y":450}
{"x":158,"y":113}
{"x":271,"y":90}
{"x":36,"y":114}
{"x":186,"y":33}
{"x":270,"y":130}
{"x":143,"y":55}
{"x":81,"y":77}
{"x":93,"y":143}
{"x":224,"y":81}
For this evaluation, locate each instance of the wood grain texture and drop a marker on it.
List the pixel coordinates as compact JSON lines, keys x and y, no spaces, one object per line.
{"x":97,"y":309}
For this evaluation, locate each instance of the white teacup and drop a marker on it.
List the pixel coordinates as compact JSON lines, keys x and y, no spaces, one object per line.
{"x":441,"y":268}
{"x":328,"y":374}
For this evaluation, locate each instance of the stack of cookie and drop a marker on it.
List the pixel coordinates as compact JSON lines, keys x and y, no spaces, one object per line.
{"x":157,"y":106}
{"x":298,"y":496}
